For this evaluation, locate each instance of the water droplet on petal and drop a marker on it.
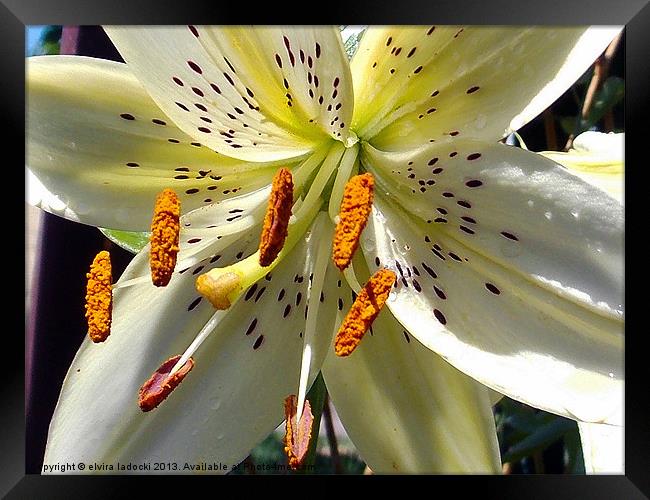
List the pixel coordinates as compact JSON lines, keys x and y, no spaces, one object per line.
{"x":548,"y":215}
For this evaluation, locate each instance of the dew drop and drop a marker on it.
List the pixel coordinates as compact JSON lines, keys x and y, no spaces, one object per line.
{"x":548,"y":215}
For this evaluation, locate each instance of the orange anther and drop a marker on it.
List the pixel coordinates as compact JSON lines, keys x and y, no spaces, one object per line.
{"x":276,"y":220}
{"x":165,"y":228}
{"x":155,"y":390}
{"x":298,"y":434}
{"x":356,"y":206}
{"x":99,"y":297}
{"x":363,"y":312}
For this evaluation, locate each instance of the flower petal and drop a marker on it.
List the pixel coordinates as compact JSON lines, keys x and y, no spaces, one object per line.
{"x":409,"y":411}
{"x":413,"y":85}
{"x":233,"y":397}
{"x":596,"y":158}
{"x":101,"y":151}
{"x":603,"y":448}
{"x":280,"y":90}
{"x":494,"y":311}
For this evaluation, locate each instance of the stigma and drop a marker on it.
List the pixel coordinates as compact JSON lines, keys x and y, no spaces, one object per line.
{"x":99,"y":298}
{"x":165,"y":229}
{"x":163,"y":381}
{"x":298,"y":431}
{"x":366,"y":307}
{"x":356,"y":206}
{"x":276,"y":219}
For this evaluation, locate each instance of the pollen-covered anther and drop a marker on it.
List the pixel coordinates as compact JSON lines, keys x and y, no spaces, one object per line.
{"x":99,"y":297}
{"x":356,"y":206}
{"x":298,"y":431}
{"x":165,"y":228}
{"x":276,"y":220}
{"x":155,"y":390}
{"x":363,"y":312}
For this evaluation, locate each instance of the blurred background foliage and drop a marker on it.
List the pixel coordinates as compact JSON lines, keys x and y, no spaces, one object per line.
{"x":531,"y":441}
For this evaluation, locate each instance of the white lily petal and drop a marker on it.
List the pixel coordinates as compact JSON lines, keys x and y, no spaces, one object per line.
{"x":417,"y":84}
{"x":409,"y":411}
{"x":274,"y":92}
{"x":596,"y":158}
{"x":230,"y":401}
{"x":515,"y":332}
{"x":518,"y":209}
{"x":603,"y":448}
{"x":103,"y":150}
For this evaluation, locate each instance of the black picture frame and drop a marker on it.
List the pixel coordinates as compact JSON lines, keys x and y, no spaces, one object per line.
{"x":15,"y":15}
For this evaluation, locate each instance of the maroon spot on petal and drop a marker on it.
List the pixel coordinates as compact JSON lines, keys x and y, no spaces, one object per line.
{"x":452,"y":154}
{"x":158,"y":122}
{"x":178,"y":81}
{"x":466,"y":229}
{"x":132,"y":164}
{"x":258,"y":342}
{"x":439,"y":316}
{"x":250,"y":292}
{"x":193,"y":240}
{"x":439,"y":293}
{"x":181,"y":177}
{"x":454,"y":133}
{"x":474,"y":183}
{"x":432,"y":161}
{"x":317,"y":50}
{"x":193,"y":30}
{"x":429,"y":271}
{"x":455,"y":257}
{"x":492,"y":288}
{"x":127,"y":116}
{"x":205,"y":130}
{"x":510,"y":236}
{"x":411,"y":52}
{"x":201,"y":106}
{"x":192,"y":191}
{"x":195,"y":67}
{"x":287,"y":310}
{"x":194,"y":303}
{"x":251,"y":327}
{"x":431,"y":30}
{"x":437,"y":170}
{"x":197,"y":91}
{"x":465,"y":204}
{"x":417,"y":70}
{"x":472,"y":90}
{"x":435,"y":93}
{"x":468,"y":219}
{"x":215,"y":88}
{"x":474,"y":156}
{"x":447,"y":194}
{"x":182,"y":106}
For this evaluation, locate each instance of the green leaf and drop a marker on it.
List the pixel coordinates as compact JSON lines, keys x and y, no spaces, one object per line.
{"x":130,"y":241}
{"x":609,"y":95}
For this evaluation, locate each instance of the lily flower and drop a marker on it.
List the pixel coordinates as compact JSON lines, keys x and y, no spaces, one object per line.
{"x":507,"y":270}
